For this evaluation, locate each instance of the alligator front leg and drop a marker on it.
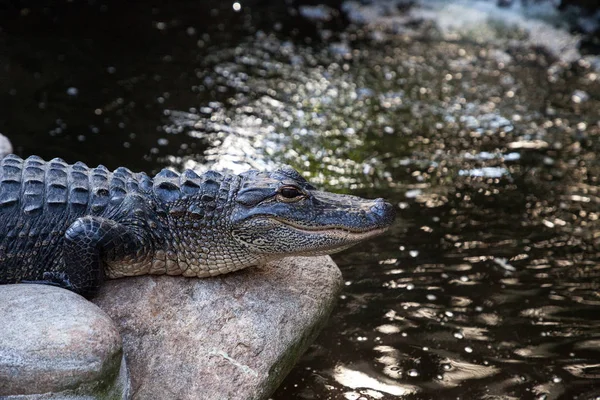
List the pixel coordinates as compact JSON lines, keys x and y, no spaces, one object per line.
{"x":87,"y":240}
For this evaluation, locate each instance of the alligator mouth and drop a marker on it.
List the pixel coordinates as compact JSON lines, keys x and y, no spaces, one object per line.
{"x":353,"y":234}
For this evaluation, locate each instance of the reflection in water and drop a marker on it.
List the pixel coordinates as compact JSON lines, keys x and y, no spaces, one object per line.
{"x":288,"y":108}
{"x":486,"y":288}
{"x":457,"y":372}
{"x":357,"y":380}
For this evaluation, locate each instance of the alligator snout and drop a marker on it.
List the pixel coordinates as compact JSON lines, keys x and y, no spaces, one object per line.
{"x":383,"y":212}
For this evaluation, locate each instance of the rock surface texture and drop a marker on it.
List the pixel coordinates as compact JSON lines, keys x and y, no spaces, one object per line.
{"x":230,"y":337}
{"x":55,"y":344}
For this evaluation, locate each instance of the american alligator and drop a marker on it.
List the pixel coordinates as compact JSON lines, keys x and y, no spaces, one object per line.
{"x":72,"y":226}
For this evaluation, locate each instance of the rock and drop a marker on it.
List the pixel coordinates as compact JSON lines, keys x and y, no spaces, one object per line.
{"x":230,"y":337}
{"x":5,"y":146}
{"x":55,"y":344}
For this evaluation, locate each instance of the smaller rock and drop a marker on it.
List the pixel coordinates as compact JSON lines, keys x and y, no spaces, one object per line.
{"x":5,"y":146}
{"x":54,"y":343}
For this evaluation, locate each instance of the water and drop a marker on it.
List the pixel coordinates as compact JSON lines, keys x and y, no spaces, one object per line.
{"x":487,"y":286}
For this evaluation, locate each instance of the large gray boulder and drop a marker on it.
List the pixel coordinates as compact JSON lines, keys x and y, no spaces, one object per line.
{"x":230,"y":337}
{"x":55,"y":344}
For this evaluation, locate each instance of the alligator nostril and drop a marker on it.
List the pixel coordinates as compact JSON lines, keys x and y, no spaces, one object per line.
{"x":384,"y":211}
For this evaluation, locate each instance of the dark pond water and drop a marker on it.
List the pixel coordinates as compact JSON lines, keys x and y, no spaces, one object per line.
{"x":488,"y":285}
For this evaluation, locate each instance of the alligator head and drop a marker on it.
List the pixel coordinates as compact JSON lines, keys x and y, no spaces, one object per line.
{"x":281,"y":214}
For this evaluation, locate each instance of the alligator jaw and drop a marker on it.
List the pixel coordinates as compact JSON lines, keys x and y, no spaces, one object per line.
{"x":341,"y":232}
{"x":344,"y":237}
{"x":312,"y":240}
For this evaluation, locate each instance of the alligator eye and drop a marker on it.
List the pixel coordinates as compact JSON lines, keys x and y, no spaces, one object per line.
{"x":290,"y":193}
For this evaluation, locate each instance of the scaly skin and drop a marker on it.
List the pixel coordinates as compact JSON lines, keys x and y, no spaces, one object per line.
{"x":73,"y":226}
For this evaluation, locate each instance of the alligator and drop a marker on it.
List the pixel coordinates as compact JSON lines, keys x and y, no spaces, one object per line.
{"x":73,"y":226}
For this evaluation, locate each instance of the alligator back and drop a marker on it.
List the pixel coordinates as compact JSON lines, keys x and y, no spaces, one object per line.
{"x":38,"y":202}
